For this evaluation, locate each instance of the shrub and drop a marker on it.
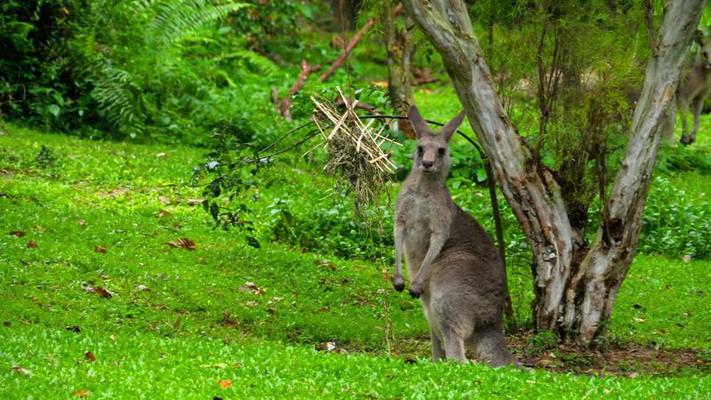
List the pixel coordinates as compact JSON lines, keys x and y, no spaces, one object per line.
{"x":674,"y":225}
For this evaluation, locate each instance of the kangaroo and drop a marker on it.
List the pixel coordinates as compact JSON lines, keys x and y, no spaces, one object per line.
{"x":455,"y":269}
{"x":695,"y":87}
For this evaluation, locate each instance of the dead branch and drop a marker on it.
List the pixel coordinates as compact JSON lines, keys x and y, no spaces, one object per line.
{"x":285,"y":107}
{"x":347,"y":51}
{"x":357,"y":104}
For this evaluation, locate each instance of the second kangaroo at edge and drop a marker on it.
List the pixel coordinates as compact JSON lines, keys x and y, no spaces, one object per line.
{"x":454,"y":267}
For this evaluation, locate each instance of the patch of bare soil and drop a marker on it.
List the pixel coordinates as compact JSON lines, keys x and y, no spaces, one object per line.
{"x":629,"y":359}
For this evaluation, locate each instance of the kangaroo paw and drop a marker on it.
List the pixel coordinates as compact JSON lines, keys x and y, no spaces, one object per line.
{"x":398,"y":283}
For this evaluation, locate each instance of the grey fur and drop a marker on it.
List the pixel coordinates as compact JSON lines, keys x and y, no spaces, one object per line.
{"x":695,"y":87}
{"x":454,"y":266}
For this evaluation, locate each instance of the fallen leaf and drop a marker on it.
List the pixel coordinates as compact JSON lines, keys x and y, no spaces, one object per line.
{"x":195,"y":202}
{"x":81,"y":393}
{"x":81,"y":222}
{"x":225,"y":383}
{"x":143,"y":288}
{"x":100,"y":249}
{"x":183,"y":243}
{"x":21,"y":371}
{"x":251,"y":287}
{"x":164,"y":200}
{"x":31,"y":244}
{"x":17,"y":233}
{"x":327,"y":346}
{"x":102,"y":292}
{"x":90,"y":356}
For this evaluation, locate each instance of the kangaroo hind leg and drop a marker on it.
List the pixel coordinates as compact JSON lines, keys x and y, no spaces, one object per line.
{"x":454,"y":346}
{"x":491,"y":347}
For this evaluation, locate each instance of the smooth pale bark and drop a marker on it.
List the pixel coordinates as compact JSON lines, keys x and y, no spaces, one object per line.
{"x":571,"y":299}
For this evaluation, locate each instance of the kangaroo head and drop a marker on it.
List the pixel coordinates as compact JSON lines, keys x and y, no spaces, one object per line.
{"x":703,"y":55}
{"x":432,"y":156}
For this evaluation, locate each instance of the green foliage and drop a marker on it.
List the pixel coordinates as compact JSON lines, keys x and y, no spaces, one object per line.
{"x":35,"y":70}
{"x":335,"y":229}
{"x":684,"y":159}
{"x":674,"y":224}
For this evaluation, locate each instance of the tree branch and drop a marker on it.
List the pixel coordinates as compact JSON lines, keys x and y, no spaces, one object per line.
{"x":612,"y":252}
{"x":347,"y":51}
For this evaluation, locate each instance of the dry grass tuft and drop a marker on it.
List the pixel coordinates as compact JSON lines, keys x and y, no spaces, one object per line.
{"x":354,"y":150}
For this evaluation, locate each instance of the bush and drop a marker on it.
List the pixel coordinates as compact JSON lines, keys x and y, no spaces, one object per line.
{"x":674,"y":225}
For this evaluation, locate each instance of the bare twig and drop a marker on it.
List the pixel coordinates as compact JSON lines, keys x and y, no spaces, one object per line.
{"x":347,"y":51}
{"x":306,"y":70}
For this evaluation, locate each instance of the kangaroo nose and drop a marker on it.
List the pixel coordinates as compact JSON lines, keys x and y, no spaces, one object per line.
{"x":427,"y":164}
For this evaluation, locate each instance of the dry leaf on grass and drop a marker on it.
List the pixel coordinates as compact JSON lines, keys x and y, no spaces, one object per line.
{"x":251,"y":287}
{"x":21,"y":371}
{"x":31,"y":244}
{"x":182,"y":243}
{"x":164,"y":200}
{"x":90,"y":356}
{"x":81,"y":393}
{"x":102,"y":292}
{"x":225,"y":383}
{"x":100,"y":249}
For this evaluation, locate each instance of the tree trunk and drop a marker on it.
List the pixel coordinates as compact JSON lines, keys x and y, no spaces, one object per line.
{"x":399,"y":49}
{"x":575,"y":297}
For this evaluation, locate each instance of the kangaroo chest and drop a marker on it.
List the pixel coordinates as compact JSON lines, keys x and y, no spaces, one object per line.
{"x":422,"y":214}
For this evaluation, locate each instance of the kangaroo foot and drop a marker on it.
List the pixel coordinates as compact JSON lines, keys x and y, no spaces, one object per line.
{"x":415,"y":290}
{"x":398,"y":283}
{"x":687,"y":139}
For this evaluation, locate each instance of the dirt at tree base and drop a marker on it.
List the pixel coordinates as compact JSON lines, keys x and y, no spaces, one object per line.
{"x":612,"y":359}
{"x":623,"y":359}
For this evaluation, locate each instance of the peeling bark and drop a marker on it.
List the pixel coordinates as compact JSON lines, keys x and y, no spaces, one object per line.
{"x":574,"y":299}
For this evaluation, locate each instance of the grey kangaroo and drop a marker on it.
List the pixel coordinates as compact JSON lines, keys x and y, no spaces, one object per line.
{"x":454,"y":267}
{"x":695,"y":87}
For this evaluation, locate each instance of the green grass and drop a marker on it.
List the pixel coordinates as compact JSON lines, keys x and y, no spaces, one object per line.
{"x":178,"y":322}
{"x":139,"y":365}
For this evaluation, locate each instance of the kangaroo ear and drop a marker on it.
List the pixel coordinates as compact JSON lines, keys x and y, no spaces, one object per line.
{"x":418,"y":124}
{"x":452,"y":126}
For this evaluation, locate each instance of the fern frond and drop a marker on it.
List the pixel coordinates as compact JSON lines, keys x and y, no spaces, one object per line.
{"x":114,"y":91}
{"x":254,"y":59}
{"x":179,"y":18}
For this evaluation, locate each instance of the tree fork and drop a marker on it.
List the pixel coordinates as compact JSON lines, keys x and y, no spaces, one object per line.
{"x":572,"y":299}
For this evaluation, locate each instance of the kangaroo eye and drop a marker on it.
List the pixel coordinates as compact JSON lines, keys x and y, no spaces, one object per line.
{"x":441,"y":151}
{"x":420,"y":150}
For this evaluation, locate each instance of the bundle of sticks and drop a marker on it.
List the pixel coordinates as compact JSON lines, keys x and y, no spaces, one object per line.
{"x":354,"y":149}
